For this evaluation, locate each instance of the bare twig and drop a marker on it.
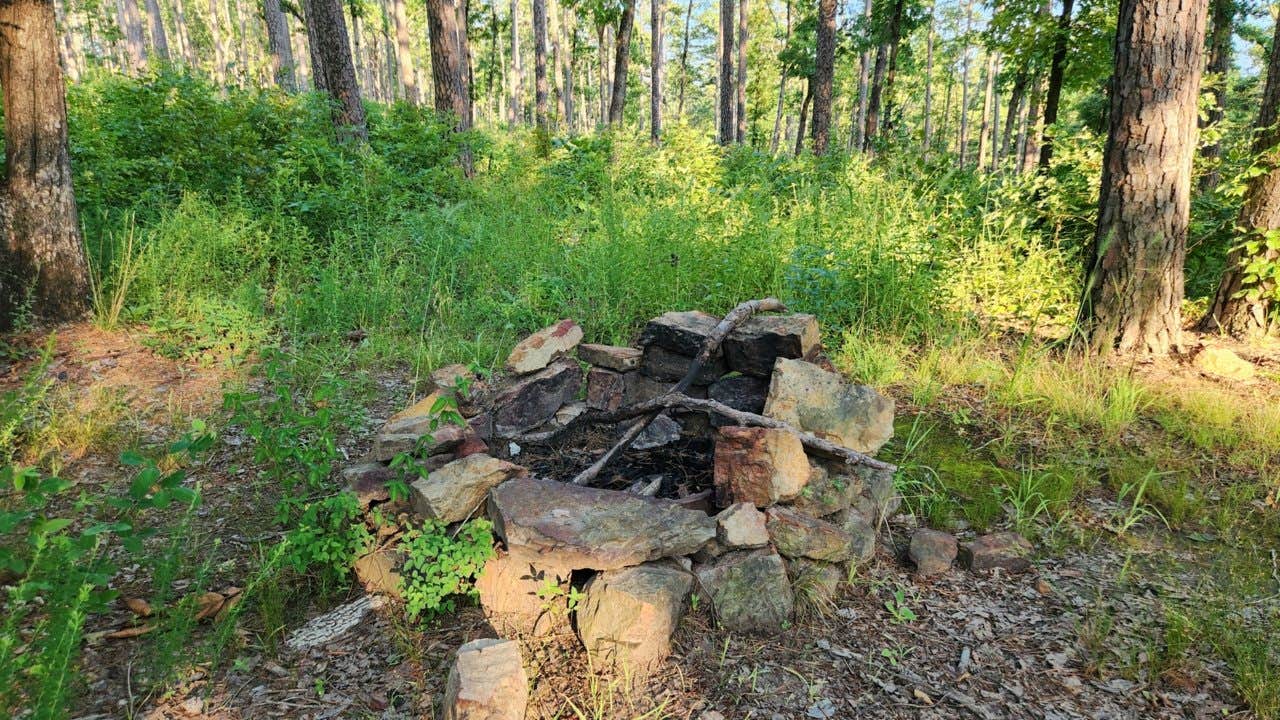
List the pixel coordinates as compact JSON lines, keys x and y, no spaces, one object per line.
{"x":736,"y":317}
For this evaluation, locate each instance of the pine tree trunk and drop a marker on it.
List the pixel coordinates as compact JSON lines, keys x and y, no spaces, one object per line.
{"x":159,"y":38}
{"x":782,"y":90}
{"x":1016,"y":94}
{"x":962,"y":128}
{"x":824,"y":75}
{"x":872,"y":119}
{"x":740,"y":106}
{"x":895,"y":42}
{"x":462,"y":28}
{"x":995,"y":119}
{"x":684,"y":60}
{"x":131,"y":27}
{"x":41,"y":252}
{"x":566,"y":60}
{"x":727,"y":96}
{"x":329,"y":28}
{"x":621,"y":61}
{"x":864,"y":79}
{"x":279,"y":46}
{"x":1243,"y":305}
{"x":656,"y":52}
{"x":927,"y":119}
{"x":515,"y":104}
{"x":1057,"y":66}
{"x":1223,"y":13}
{"x":181,"y":32}
{"x":985,"y":127}
{"x":1030,"y":150}
{"x":804,"y":116}
{"x":404,"y":53}
{"x":540,"y":64}
{"x":449,"y":73}
{"x":1133,"y":295}
{"x":313,"y":47}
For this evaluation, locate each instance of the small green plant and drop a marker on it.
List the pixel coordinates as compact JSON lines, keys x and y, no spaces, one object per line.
{"x":329,"y":537}
{"x":19,"y":407}
{"x":1133,"y":508}
{"x":899,"y":609}
{"x":440,"y":566}
{"x":896,"y":654}
{"x":112,"y":272}
{"x":1025,"y":501}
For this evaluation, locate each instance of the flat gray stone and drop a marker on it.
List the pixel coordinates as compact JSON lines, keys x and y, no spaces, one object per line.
{"x":452,"y":493}
{"x":821,"y":402}
{"x":754,"y":346}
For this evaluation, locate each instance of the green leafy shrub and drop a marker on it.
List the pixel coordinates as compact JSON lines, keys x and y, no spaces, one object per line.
{"x":329,"y":537}
{"x":440,"y":566}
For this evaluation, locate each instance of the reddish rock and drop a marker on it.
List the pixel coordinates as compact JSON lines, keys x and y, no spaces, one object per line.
{"x":471,"y":445}
{"x":539,"y":349}
{"x":423,"y":442}
{"x":613,"y":357}
{"x":534,"y":399}
{"x":754,"y":346}
{"x":605,"y":389}
{"x":761,"y":466}
{"x":1006,"y":550}
{"x":932,"y":551}
{"x":369,"y":482}
{"x":680,"y":332}
{"x":796,"y":535}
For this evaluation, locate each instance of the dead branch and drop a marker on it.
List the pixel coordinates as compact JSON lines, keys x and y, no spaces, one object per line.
{"x":733,"y":319}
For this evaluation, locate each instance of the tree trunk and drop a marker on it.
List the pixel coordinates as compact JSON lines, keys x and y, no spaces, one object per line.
{"x":684,"y":60}
{"x":41,"y":257}
{"x":448,"y":72}
{"x":566,"y":59}
{"x":872,"y":120}
{"x":540,"y":64}
{"x":824,"y":75}
{"x":1223,"y":13}
{"x":462,"y":28}
{"x":313,"y":47}
{"x":330,"y":36}
{"x":962,"y":129}
{"x":740,"y":107}
{"x":131,"y":27}
{"x":621,"y":62}
{"x":1056,"y":66}
{"x":1016,"y":94}
{"x":656,"y":51}
{"x":927,"y":120}
{"x":181,"y":31}
{"x":159,"y":38}
{"x":895,"y":42}
{"x":804,"y":116}
{"x":782,"y":90}
{"x":728,"y":101}
{"x":864,"y":78}
{"x":515,"y":104}
{"x":1243,"y":305}
{"x":404,"y":53}
{"x":278,"y":46}
{"x":1133,"y":294}
{"x":984,"y":129}
{"x":995,"y":118}
{"x":1030,"y":151}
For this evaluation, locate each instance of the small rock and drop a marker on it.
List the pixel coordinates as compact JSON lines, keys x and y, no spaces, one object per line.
{"x":627,"y":616}
{"x":741,"y":525}
{"x":521,"y":598}
{"x":932,"y":551}
{"x":825,"y":493}
{"x":451,"y":377}
{"x":796,"y":535}
{"x":740,"y":392}
{"x":376,"y":571}
{"x":860,"y":530}
{"x":749,"y":590}
{"x":662,"y":431}
{"x":452,"y":493}
{"x":487,"y":682}
{"x":605,"y":389}
{"x":754,"y":346}
{"x":761,"y":466}
{"x":565,"y":525}
{"x":471,"y":445}
{"x":613,"y":357}
{"x":680,"y":332}
{"x":877,"y":497}
{"x":821,"y":402}
{"x":369,"y":482}
{"x":421,"y":441}
{"x":1224,"y":363}
{"x":1006,"y":550}
{"x":662,"y":364}
{"x":570,"y":412}
{"x":539,"y":349}
{"x":534,"y":399}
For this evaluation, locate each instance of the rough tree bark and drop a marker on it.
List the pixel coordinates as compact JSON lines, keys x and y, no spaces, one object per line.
{"x":404,"y":54}
{"x":540,"y":64}
{"x":159,"y":38}
{"x":1222,"y":14}
{"x":515,"y":103}
{"x":621,"y":62}
{"x":985,"y":131}
{"x":962,"y":129}
{"x":1008,"y":138}
{"x":684,"y":60}
{"x":727,"y":102}
{"x":801,"y":124}
{"x":656,"y":51}
{"x":329,"y":30}
{"x":1242,"y":306}
{"x":278,"y":46}
{"x":857,"y":138}
{"x":41,"y":255}
{"x":740,"y":106}
{"x":1030,"y":145}
{"x":313,"y":48}
{"x":782,"y":90}
{"x":1057,"y":64}
{"x":131,"y":28}
{"x":448,"y":73}
{"x":1133,"y":291}
{"x":895,"y":42}
{"x":824,"y":75}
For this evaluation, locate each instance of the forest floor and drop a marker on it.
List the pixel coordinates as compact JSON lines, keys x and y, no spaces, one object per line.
{"x":1113,"y":622}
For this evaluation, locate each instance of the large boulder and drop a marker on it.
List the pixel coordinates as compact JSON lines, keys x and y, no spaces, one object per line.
{"x":539,"y":349}
{"x":487,"y":682}
{"x":796,"y":535}
{"x":521,"y":598}
{"x":748,"y":590}
{"x":574,"y":527}
{"x":683,"y":332}
{"x":613,"y":357}
{"x":534,"y":399}
{"x":452,"y":493}
{"x":754,"y":346}
{"x":627,"y":616}
{"x":661,"y":364}
{"x":761,"y":466}
{"x":821,"y":402}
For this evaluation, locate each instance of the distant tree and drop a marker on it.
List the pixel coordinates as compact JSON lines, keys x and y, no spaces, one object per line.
{"x":515,"y":105}
{"x":449,"y":70}
{"x":740,"y":99}
{"x":540,"y":64}
{"x":329,"y":29}
{"x":131,"y":27}
{"x":279,"y":46}
{"x":621,"y":61}
{"x":1243,"y":304}
{"x":42,"y":261}
{"x":1057,"y":67}
{"x":656,"y":51}
{"x":404,"y":54}
{"x":824,"y":75}
{"x":159,"y":39}
{"x":727,"y":97}
{"x":1134,"y":286}
{"x":1222,"y":17}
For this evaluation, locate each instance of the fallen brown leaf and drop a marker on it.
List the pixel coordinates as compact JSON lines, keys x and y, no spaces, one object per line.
{"x":138,"y":606}
{"x":125,"y":633}
{"x":208,"y":604}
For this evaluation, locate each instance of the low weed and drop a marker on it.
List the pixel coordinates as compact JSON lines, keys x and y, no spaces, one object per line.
{"x":440,"y":566}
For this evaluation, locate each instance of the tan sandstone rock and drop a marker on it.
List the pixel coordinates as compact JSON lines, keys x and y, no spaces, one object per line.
{"x":628,"y":615}
{"x":487,"y":682}
{"x":452,"y":493}
{"x":821,"y":402}
{"x":761,"y":466}
{"x":539,"y":349}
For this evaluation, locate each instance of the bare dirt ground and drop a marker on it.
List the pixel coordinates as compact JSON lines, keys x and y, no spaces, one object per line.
{"x":1070,"y":639}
